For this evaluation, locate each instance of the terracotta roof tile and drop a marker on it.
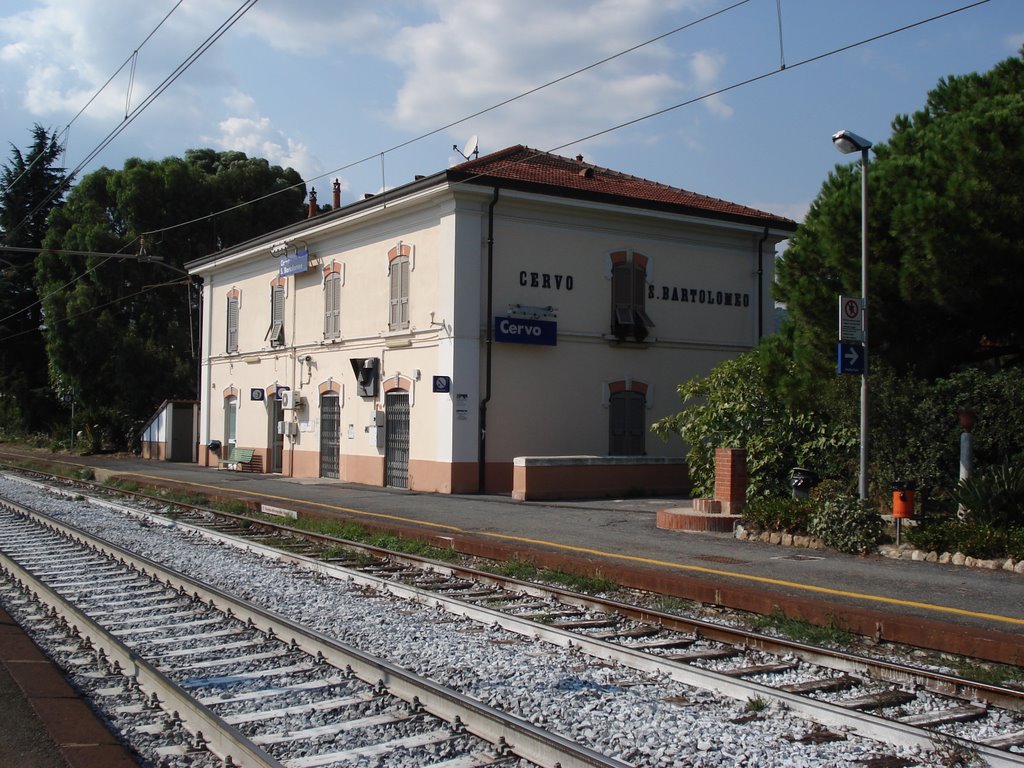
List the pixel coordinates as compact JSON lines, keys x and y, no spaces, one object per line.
{"x":525,"y":168}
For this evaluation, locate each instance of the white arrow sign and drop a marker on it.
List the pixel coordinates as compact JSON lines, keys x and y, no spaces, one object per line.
{"x":852,"y":356}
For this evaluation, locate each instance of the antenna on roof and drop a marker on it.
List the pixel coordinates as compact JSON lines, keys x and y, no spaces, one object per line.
{"x":472,"y":148}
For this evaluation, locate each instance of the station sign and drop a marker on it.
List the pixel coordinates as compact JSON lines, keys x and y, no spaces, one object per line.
{"x":517,"y":330}
{"x":294,"y":264}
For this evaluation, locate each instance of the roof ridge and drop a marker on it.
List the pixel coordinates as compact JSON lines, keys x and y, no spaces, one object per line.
{"x":526,"y":165}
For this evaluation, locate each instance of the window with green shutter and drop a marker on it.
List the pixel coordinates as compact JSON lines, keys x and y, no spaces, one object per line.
{"x":231,"y":344}
{"x":332,"y":306}
{"x":399,"y":315}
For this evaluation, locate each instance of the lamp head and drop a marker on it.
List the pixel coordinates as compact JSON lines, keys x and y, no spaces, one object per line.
{"x":848,"y":141}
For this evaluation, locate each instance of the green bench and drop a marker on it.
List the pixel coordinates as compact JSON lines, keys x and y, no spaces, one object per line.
{"x":243,"y":459}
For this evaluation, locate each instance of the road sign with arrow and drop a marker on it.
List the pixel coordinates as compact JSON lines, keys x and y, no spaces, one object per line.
{"x":851,"y":358}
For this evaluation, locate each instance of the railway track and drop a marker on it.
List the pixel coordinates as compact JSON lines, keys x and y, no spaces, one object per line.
{"x":231,"y":679}
{"x":839,"y":690}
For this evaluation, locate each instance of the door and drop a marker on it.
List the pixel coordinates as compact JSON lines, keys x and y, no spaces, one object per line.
{"x":330,"y":435}
{"x":396,"y":439}
{"x":276,"y":440}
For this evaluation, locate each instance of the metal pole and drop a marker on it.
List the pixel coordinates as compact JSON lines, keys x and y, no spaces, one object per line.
{"x":864,"y":295}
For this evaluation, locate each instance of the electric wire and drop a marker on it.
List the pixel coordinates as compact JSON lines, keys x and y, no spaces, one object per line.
{"x":131,"y":58}
{"x":461,"y":120}
{"x":146,"y":102}
{"x":688,"y":102}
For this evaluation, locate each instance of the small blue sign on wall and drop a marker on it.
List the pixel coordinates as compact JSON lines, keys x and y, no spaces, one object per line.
{"x":517,"y":330}
{"x":295,"y":264}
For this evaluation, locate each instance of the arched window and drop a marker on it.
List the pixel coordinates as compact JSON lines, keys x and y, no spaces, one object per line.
{"x":230,"y":423}
{"x":332,"y":306}
{"x":629,"y":293}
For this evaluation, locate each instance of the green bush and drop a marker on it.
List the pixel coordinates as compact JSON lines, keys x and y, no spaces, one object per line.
{"x":973,"y":539}
{"x":784,"y":515}
{"x":847,"y":524}
{"x":737,"y":406}
{"x":994,"y":497}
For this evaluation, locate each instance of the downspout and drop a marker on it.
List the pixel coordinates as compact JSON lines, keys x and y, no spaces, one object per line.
{"x":488,"y":343}
{"x":760,"y":285}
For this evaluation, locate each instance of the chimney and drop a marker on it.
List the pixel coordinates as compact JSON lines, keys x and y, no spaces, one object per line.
{"x":579,"y":158}
{"x":337,"y":194}
{"x":312,"y":203}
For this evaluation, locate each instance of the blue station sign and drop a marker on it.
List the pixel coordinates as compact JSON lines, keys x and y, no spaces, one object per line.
{"x":295,"y":264}
{"x":517,"y":330}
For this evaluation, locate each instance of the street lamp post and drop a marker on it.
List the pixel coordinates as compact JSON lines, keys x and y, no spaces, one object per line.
{"x":847,"y":142}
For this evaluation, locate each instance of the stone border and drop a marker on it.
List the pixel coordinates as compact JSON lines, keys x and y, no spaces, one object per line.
{"x":902,"y":552}
{"x":908,"y":552}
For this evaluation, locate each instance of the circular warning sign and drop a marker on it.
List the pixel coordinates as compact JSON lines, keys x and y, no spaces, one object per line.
{"x":851,"y":318}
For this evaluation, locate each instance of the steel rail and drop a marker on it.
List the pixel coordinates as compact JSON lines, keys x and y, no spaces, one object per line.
{"x":494,"y":726}
{"x":844,"y":661}
{"x":862,"y":723}
{"x":224,"y":740}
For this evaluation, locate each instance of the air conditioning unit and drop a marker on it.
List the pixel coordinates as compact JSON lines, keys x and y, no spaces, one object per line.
{"x":290,"y":399}
{"x":287,"y":428}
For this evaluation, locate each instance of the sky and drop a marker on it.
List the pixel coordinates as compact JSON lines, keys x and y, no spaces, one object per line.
{"x":375,"y":93}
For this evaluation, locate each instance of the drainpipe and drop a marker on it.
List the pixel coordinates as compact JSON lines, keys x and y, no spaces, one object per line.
{"x":760,"y":285}
{"x":488,"y":343}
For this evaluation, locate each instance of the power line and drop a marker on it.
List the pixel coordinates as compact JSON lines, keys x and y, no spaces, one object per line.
{"x":131,"y":58}
{"x":153,"y":95}
{"x":461,"y":120}
{"x":688,"y":102}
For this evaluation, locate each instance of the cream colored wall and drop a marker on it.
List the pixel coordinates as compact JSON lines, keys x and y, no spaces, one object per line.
{"x":545,"y":400}
{"x":362,"y":250}
{"x":553,"y":400}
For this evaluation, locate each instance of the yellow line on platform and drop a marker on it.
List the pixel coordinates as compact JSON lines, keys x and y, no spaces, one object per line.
{"x":612,"y":555}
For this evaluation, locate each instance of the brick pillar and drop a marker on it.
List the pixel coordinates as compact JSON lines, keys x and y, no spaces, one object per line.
{"x":731,"y":479}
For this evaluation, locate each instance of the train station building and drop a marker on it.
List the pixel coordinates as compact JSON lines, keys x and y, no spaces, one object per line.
{"x":513,"y":324}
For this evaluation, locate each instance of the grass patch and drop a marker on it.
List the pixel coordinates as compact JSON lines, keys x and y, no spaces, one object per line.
{"x":128,"y":486}
{"x":513,"y":569}
{"x":526,"y":570}
{"x":982,"y":672}
{"x":672,"y":604}
{"x":580,"y":582}
{"x":756,"y":704}
{"x":803,"y":631}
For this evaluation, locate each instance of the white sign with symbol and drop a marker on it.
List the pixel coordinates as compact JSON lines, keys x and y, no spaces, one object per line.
{"x":851,"y":318}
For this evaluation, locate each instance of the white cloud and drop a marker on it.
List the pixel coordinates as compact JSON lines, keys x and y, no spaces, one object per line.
{"x":1015,"y":41}
{"x":256,"y":136}
{"x":473,"y":55}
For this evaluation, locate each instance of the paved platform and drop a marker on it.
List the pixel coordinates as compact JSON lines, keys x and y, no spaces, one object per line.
{"x":953,"y":608}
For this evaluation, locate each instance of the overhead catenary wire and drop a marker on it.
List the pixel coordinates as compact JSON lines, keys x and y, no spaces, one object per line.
{"x":452,"y":124}
{"x":132,"y":58}
{"x":619,"y":126}
{"x":147,"y":101}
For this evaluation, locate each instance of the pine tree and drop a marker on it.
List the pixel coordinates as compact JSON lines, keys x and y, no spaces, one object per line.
{"x":31,"y":187}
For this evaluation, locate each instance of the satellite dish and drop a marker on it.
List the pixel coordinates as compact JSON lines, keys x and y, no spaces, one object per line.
{"x":472,"y":148}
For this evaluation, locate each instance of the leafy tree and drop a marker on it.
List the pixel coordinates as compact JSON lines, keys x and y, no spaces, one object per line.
{"x":946,"y":224}
{"x":123,"y":333}
{"x":736,"y":406}
{"x":31,"y":186}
